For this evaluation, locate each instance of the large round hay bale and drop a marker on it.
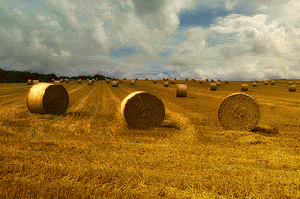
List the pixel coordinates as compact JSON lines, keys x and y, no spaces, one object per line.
{"x":166,"y":84}
{"x":181,"y":90}
{"x":142,"y":110}
{"x":239,"y":111}
{"x":172,"y":81}
{"x":35,"y":81}
{"x":213,"y":86}
{"x":79,"y":81}
{"x":254,"y":84}
{"x":29,"y":82}
{"x":46,"y":98}
{"x":272,"y":82}
{"x":57,"y":82}
{"x":226,"y":81}
{"x":201,"y":82}
{"x":265,"y":82}
{"x":292,"y":88}
{"x":132,"y":82}
{"x":218,"y":83}
{"x":154,"y":81}
{"x":90,"y":82}
{"x":244,"y":87}
{"x":115,"y":83}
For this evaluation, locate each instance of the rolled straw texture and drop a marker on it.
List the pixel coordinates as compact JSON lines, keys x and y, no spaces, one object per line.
{"x":181,"y":90}
{"x":218,"y":83}
{"x":213,"y":86}
{"x":166,"y":84}
{"x":244,"y":87}
{"x":46,"y":98}
{"x":142,"y":110}
{"x":115,"y":84}
{"x":29,"y":82}
{"x":292,"y":88}
{"x":240,"y":112}
{"x":132,"y":82}
{"x":254,"y":84}
{"x":90,"y":82}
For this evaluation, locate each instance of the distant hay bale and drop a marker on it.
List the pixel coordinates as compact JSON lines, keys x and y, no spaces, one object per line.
{"x":239,"y":112}
{"x":212,"y":80}
{"x":175,"y":79}
{"x":124,"y":78}
{"x":115,"y":83}
{"x":219,"y":80}
{"x":29,"y":82}
{"x":181,"y":90}
{"x":61,"y":80}
{"x":290,"y":83}
{"x":154,"y":81}
{"x":201,"y":82}
{"x":218,"y":83}
{"x":105,"y":78}
{"x":57,"y":82}
{"x":172,"y":81}
{"x":90,"y":82}
{"x":146,"y":79}
{"x":206,"y":79}
{"x":186,"y":79}
{"x":53,"y":80}
{"x":93,"y":80}
{"x":46,"y":98}
{"x":265,"y":82}
{"x":108,"y":81}
{"x":272,"y":82}
{"x":67,"y":80}
{"x":167,"y":79}
{"x":142,"y":110}
{"x":292,"y":88}
{"x":166,"y":84}
{"x":213,"y":86}
{"x":194,"y":80}
{"x":96,"y":79}
{"x":35,"y":81}
{"x":132,"y":82}
{"x":226,"y":81}
{"x":297,"y":82}
{"x":244,"y":87}
{"x":256,"y":81}
{"x":79,"y":81}
{"x":254,"y":84}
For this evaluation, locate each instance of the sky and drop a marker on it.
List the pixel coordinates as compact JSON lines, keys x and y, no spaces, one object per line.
{"x":219,"y":39}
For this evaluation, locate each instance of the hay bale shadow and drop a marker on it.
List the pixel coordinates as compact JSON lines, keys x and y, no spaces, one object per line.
{"x":266,"y":131}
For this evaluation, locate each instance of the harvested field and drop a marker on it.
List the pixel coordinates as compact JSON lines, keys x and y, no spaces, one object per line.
{"x":89,"y":152}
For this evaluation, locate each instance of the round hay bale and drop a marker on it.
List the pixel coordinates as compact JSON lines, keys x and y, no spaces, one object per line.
{"x":90,"y":82}
{"x":254,"y":84}
{"x":93,"y":80}
{"x":29,"y":82}
{"x":108,"y":81}
{"x":265,"y":82}
{"x":290,"y":83}
{"x":292,"y":88}
{"x":226,"y":81}
{"x":166,"y":84}
{"x":175,"y":79}
{"x":219,"y":80}
{"x":57,"y":82}
{"x":46,"y":98}
{"x":105,"y":78}
{"x":53,"y":80}
{"x":35,"y":81}
{"x":146,"y":79}
{"x":67,"y":80}
{"x":218,"y":83}
{"x":142,"y":110}
{"x":206,"y":80}
{"x":239,"y":111}
{"x":212,"y":80}
{"x":181,"y":90}
{"x":256,"y":81}
{"x":201,"y":82}
{"x":297,"y":82}
{"x":154,"y":81}
{"x":167,"y":79}
{"x":194,"y":80}
{"x":96,"y":79}
{"x":132,"y":82}
{"x":79,"y":81}
{"x":244,"y":87}
{"x":172,"y":81}
{"x":213,"y":86}
{"x":115,"y":83}
{"x":186,"y":79}
{"x":61,"y":80}
{"x":272,"y":82}
{"x":124,"y":78}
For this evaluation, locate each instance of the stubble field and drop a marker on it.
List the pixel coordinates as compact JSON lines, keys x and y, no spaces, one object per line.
{"x":88,"y":152}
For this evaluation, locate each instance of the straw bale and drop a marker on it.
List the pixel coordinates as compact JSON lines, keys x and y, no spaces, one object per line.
{"x":166,"y":84}
{"x":167,"y":79}
{"x":265,"y":82}
{"x":47,"y":98}
{"x":240,"y":112}
{"x":244,"y":87}
{"x":219,"y":80}
{"x":53,"y":80}
{"x":172,"y":81}
{"x":108,"y":81}
{"x":115,"y":83}
{"x":35,"y":81}
{"x":297,"y":82}
{"x":186,"y":79}
{"x":164,"y":79}
{"x":154,"y":81}
{"x":212,"y":80}
{"x":181,"y":90}
{"x":96,"y":79}
{"x":93,"y":80}
{"x":292,"y":88}
{"x":201,"y":82}
{"x":206,"y":80}
{"x":132,"y":82}
{"x":218,"y":83}
{"x":61,"y":80}
{"x":213,"y":86}
{"x":254,"y":84}
{"x":67,"y":80}
{"x":146,"y":79}
{"x":79,"y":81}
{"x":124,"y":78}
{"x":142,"y":110}
{"x":175,"y":79}
{"x":226,"y":81}
{"x":272,"y":82}
{"x":29,"y":82}
{"x":57,"y":82}
{"x":290,"y":83}
{"x":256,"y":81}
{"x":90,"y":82}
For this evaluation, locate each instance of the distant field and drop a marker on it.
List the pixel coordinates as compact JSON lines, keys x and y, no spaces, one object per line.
{"x":88,"y":152}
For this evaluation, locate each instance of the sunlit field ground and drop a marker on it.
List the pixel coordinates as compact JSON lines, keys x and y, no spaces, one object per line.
{"x":88,"y":152}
